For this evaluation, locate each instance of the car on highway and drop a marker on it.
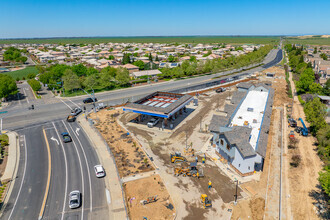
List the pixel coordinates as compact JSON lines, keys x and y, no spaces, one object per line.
{"x":99,"y":171}
{"x":66,"y":137}
{"x":76,"y":111}
{"x":74,"y":199}
{"x":153,"y":122}
{"x":219,"y":90}
{"x":89,"y":100}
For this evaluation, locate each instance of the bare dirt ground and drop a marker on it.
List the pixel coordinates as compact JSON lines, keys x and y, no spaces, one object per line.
{"x":304,"y":185}
{"x":186,"y":191}
{"x":142,"y":189}
{"x":130,"y":158}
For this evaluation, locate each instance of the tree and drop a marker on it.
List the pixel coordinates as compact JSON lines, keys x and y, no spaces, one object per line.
{"x":35,"y":84}
{"x":126,"y":59}
{"x":305,"y":80}
{"x":91,"y":71}
{"x":107,"y":77}
{"x":171,"y":58}
{"x":31,"y":75}
{"x":122,"y":76}
{"x":324,"y":56}
{"x":325,"y":180}
{"x":91,"y":81}
{"x":315,"y":50}
{"x":80,"y":70}
{"x":315,"y":112}
{"x":323,"y":138}
{"x":150,"y":57}
{"x":193,"y":59}
{"x":326,"y":88}
{"x":315,"y":88}
{"x":111,"y":57}
{"x":157,"y":59}
{"x":70,"y":80}
{"x":139,"y":64}
{"x":7,"y":86}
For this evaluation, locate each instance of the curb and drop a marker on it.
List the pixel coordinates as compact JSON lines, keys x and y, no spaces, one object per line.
{"x":10,"y":188}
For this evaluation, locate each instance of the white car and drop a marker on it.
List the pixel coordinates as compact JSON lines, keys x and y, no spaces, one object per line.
{"x":153,"y":122}
{"x":74,"y":199}
{"x":99,"y":171}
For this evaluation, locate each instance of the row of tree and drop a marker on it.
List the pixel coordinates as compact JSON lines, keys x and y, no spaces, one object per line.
{"x":82,"y":77}
{"x":192,"y":67}
{"x":307,"y":80}
{"x":14,"y":55}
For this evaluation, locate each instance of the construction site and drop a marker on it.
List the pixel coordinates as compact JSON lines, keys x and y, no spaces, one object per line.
{"x":200,"y":168}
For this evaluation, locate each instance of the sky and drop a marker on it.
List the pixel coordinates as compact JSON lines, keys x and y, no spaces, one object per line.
{"x":88,"y":18}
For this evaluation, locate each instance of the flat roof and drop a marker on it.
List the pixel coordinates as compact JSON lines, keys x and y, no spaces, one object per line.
{"x":250,"y":114}
{"x":160,"y":104}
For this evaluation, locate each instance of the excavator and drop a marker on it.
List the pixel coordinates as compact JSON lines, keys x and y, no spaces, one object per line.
{"x":177,"y":158}
{"x":192,"y":170}
{"x":205,"y":201}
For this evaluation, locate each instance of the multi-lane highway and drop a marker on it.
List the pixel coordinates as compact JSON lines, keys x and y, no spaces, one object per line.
{"x":72,"y":164}
{"x":72,"y":168}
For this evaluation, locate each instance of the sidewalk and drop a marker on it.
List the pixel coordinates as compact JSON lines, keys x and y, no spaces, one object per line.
{"x":117,"y":208}
{"x":11,"y":167}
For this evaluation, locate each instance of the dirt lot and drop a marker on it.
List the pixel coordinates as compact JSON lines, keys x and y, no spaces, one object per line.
{"x":304,"y":186}
{"x":186,"y":191}
{"x":130,"y":158}
{"x":142,"y":189}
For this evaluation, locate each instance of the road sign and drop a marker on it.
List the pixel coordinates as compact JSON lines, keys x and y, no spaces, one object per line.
{"x":3,"y":112}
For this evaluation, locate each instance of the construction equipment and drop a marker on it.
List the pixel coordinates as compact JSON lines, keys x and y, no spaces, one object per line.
{"x":192,"y":170}
{"x":189,"y":151}
{"x":292,"y":122}
{"x":304,"y":130}
{"x":150,"y":199}
{"x":291,"y":135}
{"x":177,"y":158}
{"x":205,"y":201}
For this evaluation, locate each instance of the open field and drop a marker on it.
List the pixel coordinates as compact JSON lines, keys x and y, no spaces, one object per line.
{"x":177,"y":39}
{"x":310,"y":41}
{"x":22,"y":73}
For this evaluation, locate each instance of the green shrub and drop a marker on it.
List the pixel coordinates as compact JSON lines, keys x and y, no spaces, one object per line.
{"x":4,"y":140}
{"x":301,"y":100}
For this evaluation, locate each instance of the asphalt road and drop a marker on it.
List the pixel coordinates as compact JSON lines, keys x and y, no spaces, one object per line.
{"x":72,"y":168}
{"x":57,"y":108}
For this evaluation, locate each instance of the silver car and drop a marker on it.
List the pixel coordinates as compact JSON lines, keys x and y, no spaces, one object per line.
{"x":74,"y":199}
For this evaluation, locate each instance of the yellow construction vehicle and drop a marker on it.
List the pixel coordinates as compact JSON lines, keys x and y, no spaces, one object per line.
{"x":205,"y":201}
{"x":192,"y":170}
{"x":177,"y":158}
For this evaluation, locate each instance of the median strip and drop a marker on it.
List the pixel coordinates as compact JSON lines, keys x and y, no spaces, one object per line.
{"x":48,"y":179}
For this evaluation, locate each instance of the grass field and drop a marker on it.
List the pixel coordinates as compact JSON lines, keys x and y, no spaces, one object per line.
{"x":22,"y":73}
{"x":309,"y":41}
{"x":178,"y":39}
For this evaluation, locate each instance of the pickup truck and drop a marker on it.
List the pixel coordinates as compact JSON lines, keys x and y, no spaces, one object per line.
{"x":71,"y":118}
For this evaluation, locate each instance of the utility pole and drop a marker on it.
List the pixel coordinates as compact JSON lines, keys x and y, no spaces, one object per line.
{"x":235,"y":202}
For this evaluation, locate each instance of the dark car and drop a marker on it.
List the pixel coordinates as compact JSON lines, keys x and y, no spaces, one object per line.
{"x":220,"y":90}
{"x":66,"y":137}
{"x":71,"y":118}
{"x":76,"y":111}
{"x":89,"y":100}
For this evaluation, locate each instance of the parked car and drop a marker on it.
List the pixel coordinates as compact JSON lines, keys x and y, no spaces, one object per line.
{"x":74,"y":199}
{"x":76,"y":111}
{"x":219,"y":90}
{"x":99,"y":171}
{"x":66,"y":137}
{"x":153,"y":122}
{"x":89,"y":100}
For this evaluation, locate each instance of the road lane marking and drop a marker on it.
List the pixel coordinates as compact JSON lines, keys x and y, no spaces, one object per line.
{"x":89,"y":175}
{"x":77,"y":131}
{"x":27,"y":99}
{"x":20,"y":188}
{"x":107,"y":193}
{"x":48,"y":178}
{"x":66,"y":173}
{"x":74,"y":103}
{"x":54,"y":139}
{"x":81,"y":170}
{"x":66,"y":104}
